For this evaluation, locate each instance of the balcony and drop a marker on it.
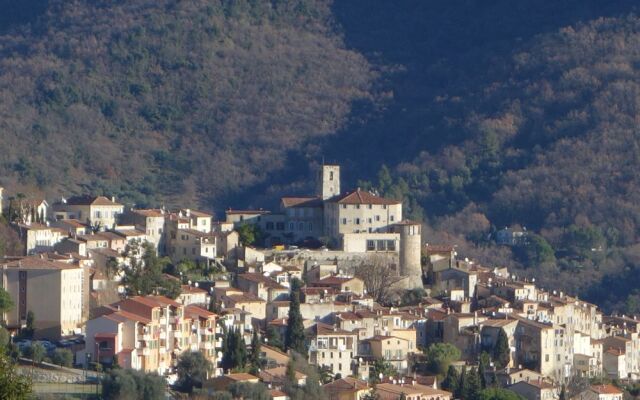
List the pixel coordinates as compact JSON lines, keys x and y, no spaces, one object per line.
{"x":163,"y":335}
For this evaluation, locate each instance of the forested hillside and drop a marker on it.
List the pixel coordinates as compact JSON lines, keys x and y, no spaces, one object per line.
{"x":169,"y":100}
{"x":479,"y":114}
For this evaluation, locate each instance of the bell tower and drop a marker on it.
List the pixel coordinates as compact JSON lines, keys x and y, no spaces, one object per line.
{"x":328,"y":181}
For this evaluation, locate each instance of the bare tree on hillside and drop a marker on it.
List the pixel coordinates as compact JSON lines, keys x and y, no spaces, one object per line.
{"x":379,"y":274}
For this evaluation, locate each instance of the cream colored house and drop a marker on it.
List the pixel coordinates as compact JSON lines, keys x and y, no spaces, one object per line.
{"x":191,"y":244}
{"x":151,"y":222}
{"x":358,"y":212}
{"x":392,"y":349}
{"x":98,"y":211}
{"x":38,"y":238}
{"x":52,"y":290}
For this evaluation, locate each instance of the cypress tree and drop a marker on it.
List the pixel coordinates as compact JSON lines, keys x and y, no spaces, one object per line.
{"x":501,"y":352}
{"x":482,"y":369}
{"x":452,"y":379}
{"x":472,"y":388}
{"x":563,"y":393}
{"x":254,"y":356}
{"x":239,"y":350}
{"x":294,"y":338}
{"x":462,"y":382}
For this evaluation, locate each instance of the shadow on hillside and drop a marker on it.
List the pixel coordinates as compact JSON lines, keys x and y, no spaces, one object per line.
{"x":14,"y":13}
{"x":442,"y":49}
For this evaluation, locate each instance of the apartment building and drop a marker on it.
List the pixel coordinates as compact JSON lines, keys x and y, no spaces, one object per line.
{"x":332,"y":347}
{"x":52,"y":290}
{"x":148,"y":333}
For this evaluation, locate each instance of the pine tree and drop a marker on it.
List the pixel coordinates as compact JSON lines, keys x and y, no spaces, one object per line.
{"x":294,"y":338}
{"x":501,"y":352}
{"x":452,"y":379}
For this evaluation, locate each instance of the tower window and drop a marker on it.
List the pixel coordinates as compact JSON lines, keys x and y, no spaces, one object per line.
{"x":331,"y":175}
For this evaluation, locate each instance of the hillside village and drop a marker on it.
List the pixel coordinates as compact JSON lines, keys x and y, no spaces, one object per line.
{"x":337,"y":278}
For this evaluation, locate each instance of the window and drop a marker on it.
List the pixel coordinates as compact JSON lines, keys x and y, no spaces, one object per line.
{"x":391,"y":218}
{"x":381,"y":245}
{"x":357,"y":221}
{"x":97,"y":214}
{"x":369,"y":220}
{"x":301,"y":226}
{"x":330,"y":175}
{"x":280,"y":226}
{"x":391,"y":245}
{"x":310,"y":227}
{"x":371,"y":245}
{"x":344,"y":221}
{"x":344,"y":206}
{"x":377,"y":218}
{"x":357,"y":206}
{"x":370,"y":206}
{"x":242,"y":218}
{"x":384,"y":206}
{"x":269,"y":226}
{"x":292,"y":226}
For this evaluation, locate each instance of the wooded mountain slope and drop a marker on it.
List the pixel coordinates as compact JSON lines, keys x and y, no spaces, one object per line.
{"x":169,"y":100}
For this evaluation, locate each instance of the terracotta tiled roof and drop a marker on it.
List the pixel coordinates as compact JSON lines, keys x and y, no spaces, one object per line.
{"x":198,"y":312}
{"x":362,"y":197}
{"x":37,"y":262}
{"x":606,"y":389}
{"x":288,"y":202}
{"x":150,"y":212}
{"x":346,"y":384}
{"x":91,"y":200}
{"x":326,"y":330}
{"x":257,"y":212}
